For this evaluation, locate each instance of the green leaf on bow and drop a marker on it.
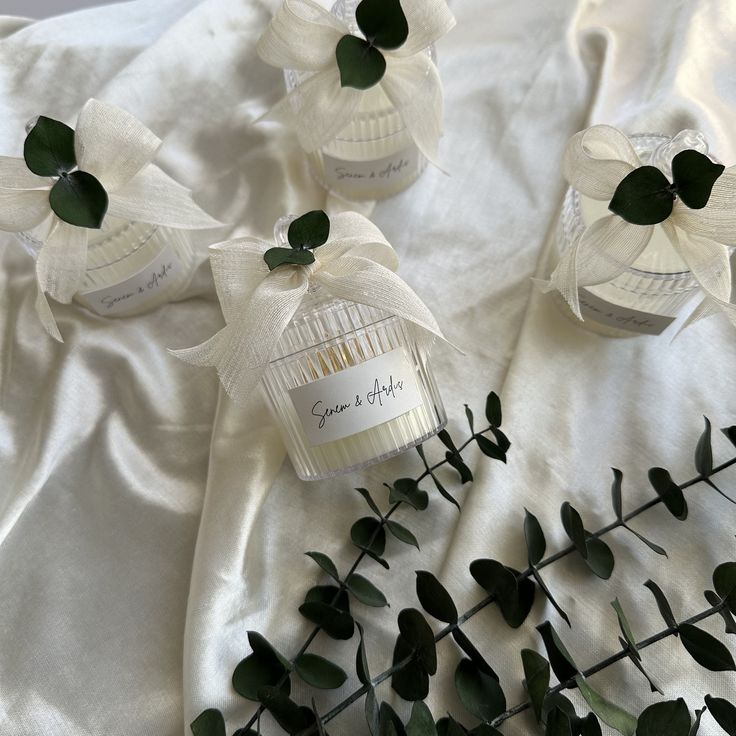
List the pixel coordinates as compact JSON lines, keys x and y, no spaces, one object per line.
{"x":319,"y":672}
{"x":276,"y":257}
{"x":309,"y":231}
{"x":536,"y":679}
{"x":670,"y":493}
{"x":434,"y":598}
{"x":481,"y":694}
{"x":361,"y":65}
{"x":694,"y":175}
{"x":723,"y":712}
{"x":705,"y":649}
{"x":611,"y":714}
{"x":670,"y":718}
{"x":208,"y":723}
{"x":408,"y":491}
{"x":365,"y":591}
{"x":643,"y":197}
{"x":724,"y":581}
{"x":49,"y":148}
{"x":382,"y":22}
{"x":79,"y":199}
{"x":421,"y":722}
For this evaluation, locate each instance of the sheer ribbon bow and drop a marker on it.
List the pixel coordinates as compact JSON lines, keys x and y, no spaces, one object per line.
{"x":356,"y":263}
{"x":118,"y":149}
{"x":303,"y":36}
{"x":595,"y":162}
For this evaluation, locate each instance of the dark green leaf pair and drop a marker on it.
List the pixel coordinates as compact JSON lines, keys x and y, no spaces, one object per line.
{"x":328,"y":606}
{"x":265,"y":667}
{"x":646,"y":197}
{"x":617,"y":500}
{"x":77,"y":197}
{"x":359,"y":60}
{"x":596,"y":553}
{"x":514,"y":596}
{"x":407,"y":490}
{"x":455,"y":460}
{"x":479,"y":692}
{"x":415,"y":642}
{"x":291,"y":717}
{"x":670,"y":493}
{"x":305,"y":234}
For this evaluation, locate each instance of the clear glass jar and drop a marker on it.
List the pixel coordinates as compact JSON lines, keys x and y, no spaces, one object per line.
{"x":648,"y":296}
{"x":131,"y":267}
{"x":349,"y":386}
{"x":374,"y":157}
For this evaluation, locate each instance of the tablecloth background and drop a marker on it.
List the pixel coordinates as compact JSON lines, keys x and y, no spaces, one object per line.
{"x":146,"y":524}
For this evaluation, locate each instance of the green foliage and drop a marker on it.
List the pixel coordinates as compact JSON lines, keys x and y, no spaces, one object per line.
{"x":435,"y":599}
{"x":536,"y":674}
{"x":559,"y":658}
{"x":208,"y":723}
{"x":705,"y":649}
{"x":669,"y":718}
{"x":309,"y":231}
{"x":365,"y":591}
{"x":407,"y":491}
{"x":416,"y":642}
{"x":265,"y":667}
{"x":670,"y":493}
{"x":612,"y":715}
{"x":319,"y":672}
{"x":480,"y":693}
{"x":723,"y":712}
{"x":49,"y":148}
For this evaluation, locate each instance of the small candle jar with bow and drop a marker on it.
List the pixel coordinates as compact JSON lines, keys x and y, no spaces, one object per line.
{"x":338,"y":343}
{"x":646,"y":227}
{"x":108,"y":228}
{"x":364,"y":93}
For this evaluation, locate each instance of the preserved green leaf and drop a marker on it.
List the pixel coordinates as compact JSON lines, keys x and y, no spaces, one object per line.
{"x":382,"y":22}
{"x":475,"y":656}
{"x":643,"y":197}
{"x":401,"y":533}
{"x":536,"y":675}
{"x":420,"y":721}
{"x":670,"y":718}
{"x":369,"y":500}
{"x":407,"y":490}
{"x":365,"y":591}
{"x":319,"y":672}
{"x":493,"y":409}
{"x":724,"y":581}
{"x":49,"y":148}
{"x":573,"y":525}
{"x":536,"y":544}
{"x":559,"y":658}
{"x":704,"y":452}
{"x":694,"y":175}
{"x":481,"y":695}
{"x":662,"y":603}
{"x":310,"y":230}
{"x":723,"y":712}
{"x":361,"y":65}
{"x":325,"y":563}
{"x":208,"y":723}
{"x":670,"y":493}
{"x":79,"y":199}
{"x":705,"y":649}
{"x":612,"y":715}
{"x":361,"y":660}
{"x":435,"y":599}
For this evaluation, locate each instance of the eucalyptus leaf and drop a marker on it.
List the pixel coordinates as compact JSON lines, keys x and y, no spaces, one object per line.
{"x":49,"y":148}
{"x":589,"y":726}
{"x":670,"y":493}
{"x":418,"y":633}
{"x":612,"y":715}
{"x":435,"y":599}
{"x":515,"y":597}
{"x":636,"y":661}
{"x":490,"y":449}
{"x":401,"y":533}
{"x":600,"y":558}
{"x":501,"y":439}
{"x":662,"y":603}
{"x":474,"y":655}
{"x":616,"y":493}
{"x":325,"y":563}
{"x":407,"y":490}
{"x":670,"y":718}
{"x":256,"y":672}
{"x":361,"y":65}
{"x":369,"y":500}
{"x":536,"y":544}
{"x":309,"y":231}
{"x":263,"y":648}
{"x":536,"y":677}
{"x":715,"y":600}
{"x":694,"y":175}
{"x":450,"y":727}
{"x":561,"y":661}
{"x":443,"y":491}
{"x":723,"y":712}
{"x":485,"y":729}
{"x":330,"y":595}
{"x":336,"y":623}
{"x":319,"y":672}
{"x":455,"y":461}
{"x":208,"y":723}
{"x":470,"y":418}
{"x":276,"y":257}
{"x":79,"y":199}
{"x":550,"y":597}
{"x":411,"y":682}
{"x":705,"y":649}
{"x":643,"y":197}
{"x":730,"y":434}
{"x":481,"y":695}
{"x":420,"y":721}
{"x":390,"y":722}
{"x":573,"y":525}
{"x":317,"y":720}
{"x":290,"y":716}
{"x":361,"y":660}
{"x":365,"y":591}
{"x":493,"y":409}
{"x":368,"y":534}
{"x":724,"y":581}
{"x":704,"y":450}
{"x":372,"y":713}
{"x":558,"y":700}
{"x":558,"y":724}
{"x":625,"y":627}
{"x":382,"y":22}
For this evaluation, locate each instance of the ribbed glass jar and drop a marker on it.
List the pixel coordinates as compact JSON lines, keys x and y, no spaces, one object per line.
{"x":131,"y":267}
{"x":650,"y":294}
{"x":349,"y":385}
{"x":374,"y":157}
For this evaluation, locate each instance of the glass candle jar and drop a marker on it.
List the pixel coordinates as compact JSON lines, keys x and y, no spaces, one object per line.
{"x":373,"y":157}
{"x":349,"y":386}
{"x":648,"y":296}
{"x":131,"y":267}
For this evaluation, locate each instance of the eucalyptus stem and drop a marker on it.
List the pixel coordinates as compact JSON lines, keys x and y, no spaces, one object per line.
{"x":447,"y":630}
{"x":342,"y":586}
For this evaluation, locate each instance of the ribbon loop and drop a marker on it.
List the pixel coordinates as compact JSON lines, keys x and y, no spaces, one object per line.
{"x":356,"y":264}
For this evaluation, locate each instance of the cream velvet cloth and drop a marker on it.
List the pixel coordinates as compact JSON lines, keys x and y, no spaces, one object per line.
{"x":145,"y":525}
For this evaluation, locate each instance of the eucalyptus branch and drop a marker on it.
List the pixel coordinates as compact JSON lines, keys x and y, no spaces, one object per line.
{"x":342,"y":586}
{"x":491,"y":598}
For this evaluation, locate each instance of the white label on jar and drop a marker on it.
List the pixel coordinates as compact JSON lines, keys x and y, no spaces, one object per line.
{"x":623,"y":318}
{"x":164,"y":270}
{"x":357,"y":398}
{"x":364,"y":176}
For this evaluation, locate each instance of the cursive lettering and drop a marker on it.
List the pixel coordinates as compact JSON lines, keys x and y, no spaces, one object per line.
{"x":381,"y":391}
{"x":323,"y":414}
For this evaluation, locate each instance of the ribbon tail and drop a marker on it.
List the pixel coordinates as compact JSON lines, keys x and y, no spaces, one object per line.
{"x":62,"y":262}
{"x":43,"y":309}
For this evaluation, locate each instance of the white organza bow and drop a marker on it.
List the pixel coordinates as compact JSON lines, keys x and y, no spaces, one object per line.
{"x":595,"y":162}
{"x":303,"y":36}
{"x":356,"y":263}
{"x":116,"y":148}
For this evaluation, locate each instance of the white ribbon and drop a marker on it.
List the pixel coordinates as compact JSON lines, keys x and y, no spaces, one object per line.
{"x":303,"y":36}
{"x":356,"y":263}
{"x":595,"y":162}
{"x":118,"y":149}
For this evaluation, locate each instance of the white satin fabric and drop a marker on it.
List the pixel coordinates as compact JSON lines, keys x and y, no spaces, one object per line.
{"x":143,"y":531}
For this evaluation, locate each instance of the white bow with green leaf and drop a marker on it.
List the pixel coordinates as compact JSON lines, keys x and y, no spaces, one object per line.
{"x":696,"y":211}
{"x":69,"y":180}
{"x":339,"y":67}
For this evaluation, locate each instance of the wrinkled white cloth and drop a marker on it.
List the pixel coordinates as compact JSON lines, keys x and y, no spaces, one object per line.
{"x":143,"y":532}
